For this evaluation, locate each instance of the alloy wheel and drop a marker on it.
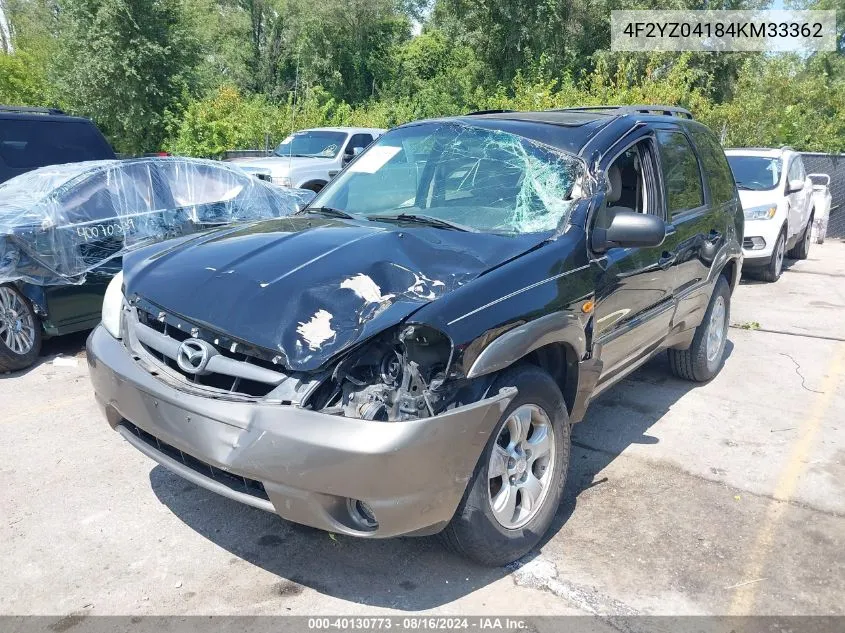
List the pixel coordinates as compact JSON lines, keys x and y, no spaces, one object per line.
{"x":17,"y":325}
{"x":716,"y":329}
{"x":779,"y":253}
{"x":521,"y":466}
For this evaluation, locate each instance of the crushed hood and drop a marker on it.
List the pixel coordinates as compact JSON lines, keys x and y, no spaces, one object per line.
{"x":308,"y":288}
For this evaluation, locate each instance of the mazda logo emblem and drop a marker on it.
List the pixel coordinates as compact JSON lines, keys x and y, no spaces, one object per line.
{"x":193,"y":356}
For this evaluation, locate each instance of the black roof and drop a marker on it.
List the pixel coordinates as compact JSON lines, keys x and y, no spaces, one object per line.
{"x":37,"y":114}
{"x":568,"y":129}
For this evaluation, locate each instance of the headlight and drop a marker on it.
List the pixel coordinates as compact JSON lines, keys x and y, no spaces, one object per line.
{"x":113,"y":304}
{"x":764,"y":212}
{"x":281,"y":181}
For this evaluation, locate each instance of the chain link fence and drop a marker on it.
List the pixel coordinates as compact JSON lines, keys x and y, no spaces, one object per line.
{"x":834,"y":166}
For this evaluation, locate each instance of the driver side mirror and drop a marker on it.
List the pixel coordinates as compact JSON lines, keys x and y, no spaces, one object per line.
{"x":629,"y":229}
{"x":794,"y":186}
{"x":351,"y":153}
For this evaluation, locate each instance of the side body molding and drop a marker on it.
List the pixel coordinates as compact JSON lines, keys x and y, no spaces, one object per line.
{"x":557,"y":327}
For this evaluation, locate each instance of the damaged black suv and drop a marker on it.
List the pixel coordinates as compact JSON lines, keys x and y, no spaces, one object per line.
{"x":407,"y":355}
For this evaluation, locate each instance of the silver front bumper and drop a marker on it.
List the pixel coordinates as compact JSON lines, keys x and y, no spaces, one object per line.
{"x":412,"y":474}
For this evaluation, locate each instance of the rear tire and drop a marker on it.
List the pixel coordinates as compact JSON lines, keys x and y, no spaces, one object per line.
{"x":704,"y":358}
{"x":20,"y":330}
{"x":772,"y":271}
{"x":533,"y":470}
{"x":802,"y":249}
{"x":315,"y":186}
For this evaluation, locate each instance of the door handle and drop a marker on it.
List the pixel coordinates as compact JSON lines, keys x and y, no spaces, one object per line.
{"x":666,"y":260}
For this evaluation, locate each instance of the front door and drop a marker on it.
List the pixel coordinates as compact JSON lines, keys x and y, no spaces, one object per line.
{"x":798,"y":201}
{"x":634,"y":306}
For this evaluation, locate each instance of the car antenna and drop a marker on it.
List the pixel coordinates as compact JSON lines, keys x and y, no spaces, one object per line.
{"x":293,"y":112}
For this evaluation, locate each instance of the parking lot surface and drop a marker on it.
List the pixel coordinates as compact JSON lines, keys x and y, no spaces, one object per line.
{"x":723,"y":498}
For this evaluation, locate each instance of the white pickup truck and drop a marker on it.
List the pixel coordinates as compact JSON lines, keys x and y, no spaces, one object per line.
{"x":777,"y":198}
{"x":308,"y":159}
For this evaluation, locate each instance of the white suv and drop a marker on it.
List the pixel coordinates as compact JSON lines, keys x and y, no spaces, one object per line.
{"x":308,"y":159}
{"x":777,"y":197}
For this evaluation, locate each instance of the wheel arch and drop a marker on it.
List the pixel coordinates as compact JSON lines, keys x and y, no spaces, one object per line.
{"x":731,"y":272}
{"x":315,"y":182}
{"x":556,"y":343}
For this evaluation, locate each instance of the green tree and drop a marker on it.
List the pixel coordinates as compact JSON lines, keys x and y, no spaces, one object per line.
{"x":434,"y":77}
{"x":126,"y":63}
{"x":23,"y":81}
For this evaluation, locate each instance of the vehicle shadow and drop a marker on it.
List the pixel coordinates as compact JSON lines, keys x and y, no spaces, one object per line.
{"x":68,"y":346}
{"x":618,"y":418}
{"x":752,"y":278}
{"x":413,"y":573}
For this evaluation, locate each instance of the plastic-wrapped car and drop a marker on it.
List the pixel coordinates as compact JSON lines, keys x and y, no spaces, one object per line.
{"x":821,"y":200}
{"x":64,"y":228}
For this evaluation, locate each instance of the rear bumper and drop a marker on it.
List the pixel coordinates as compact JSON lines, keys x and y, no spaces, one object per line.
{"x":304,"y":465}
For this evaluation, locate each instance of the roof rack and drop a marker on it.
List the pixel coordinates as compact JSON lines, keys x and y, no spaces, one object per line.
{"x":24,"y":109}
{"x":478,"y":112}
{"x":665,"y":110}
{"x":764,"y":149}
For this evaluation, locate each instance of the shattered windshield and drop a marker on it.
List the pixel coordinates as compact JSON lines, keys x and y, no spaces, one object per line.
{"x":448,"y":173}
{"x":311,"y":143}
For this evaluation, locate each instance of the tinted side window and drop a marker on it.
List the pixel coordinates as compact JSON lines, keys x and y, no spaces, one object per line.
{"x":680,"y":172}
{"x":719,"y":173}
{"x":359,"y":140}
{"x":27,"y":144}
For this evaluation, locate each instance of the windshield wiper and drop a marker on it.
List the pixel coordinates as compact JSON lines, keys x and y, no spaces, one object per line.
{"x":421,"y":219}
{"x":740,"y":185}
{"x":331,"y":212}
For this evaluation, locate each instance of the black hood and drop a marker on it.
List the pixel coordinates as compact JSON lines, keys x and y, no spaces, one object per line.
{"x":307,"y":288}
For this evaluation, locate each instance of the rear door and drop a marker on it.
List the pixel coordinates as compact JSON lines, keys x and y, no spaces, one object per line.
{"x":691,"y":217}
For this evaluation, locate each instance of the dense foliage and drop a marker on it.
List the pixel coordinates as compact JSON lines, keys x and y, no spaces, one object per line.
{"x":202,"y":76}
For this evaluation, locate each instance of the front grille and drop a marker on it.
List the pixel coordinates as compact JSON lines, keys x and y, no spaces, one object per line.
{"x":231,"y":481}
{"x":232,"y":384}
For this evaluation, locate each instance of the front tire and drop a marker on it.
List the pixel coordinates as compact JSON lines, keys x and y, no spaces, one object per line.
{"x":20,"y":330}
{"x":517,"y":485}
{"x":802,"y":249}
{"x":704,"y":358}
{"x":774,"y":268}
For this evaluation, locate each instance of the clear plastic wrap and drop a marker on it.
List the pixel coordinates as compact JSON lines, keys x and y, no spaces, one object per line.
{"x":59,"y":222}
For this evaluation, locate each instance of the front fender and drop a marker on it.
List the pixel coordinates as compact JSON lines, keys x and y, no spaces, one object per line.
{"x":557,"y":327}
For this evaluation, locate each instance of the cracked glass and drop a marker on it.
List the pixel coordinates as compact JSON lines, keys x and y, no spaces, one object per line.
{"x":470,"y":177}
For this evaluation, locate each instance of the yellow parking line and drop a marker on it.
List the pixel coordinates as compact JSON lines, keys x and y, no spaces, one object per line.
{"x":744,"y":596}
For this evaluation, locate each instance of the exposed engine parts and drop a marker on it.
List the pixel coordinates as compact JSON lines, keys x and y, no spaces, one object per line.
{"x":396,"y":377}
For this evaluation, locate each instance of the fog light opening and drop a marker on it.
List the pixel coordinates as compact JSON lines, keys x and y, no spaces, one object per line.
{"x":362,"y":514}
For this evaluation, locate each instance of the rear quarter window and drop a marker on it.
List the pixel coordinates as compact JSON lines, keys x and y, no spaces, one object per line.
{"x":716,"y":167}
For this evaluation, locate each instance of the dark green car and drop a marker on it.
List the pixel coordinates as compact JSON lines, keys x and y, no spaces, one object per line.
{"x":31,"y":138}
{"x":64,"y":229}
